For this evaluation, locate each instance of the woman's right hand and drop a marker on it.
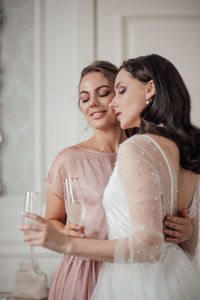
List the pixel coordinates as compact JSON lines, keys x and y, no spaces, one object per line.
{"x":74,"y":230}
{"x":43,"y":233}
{"x":178,"y":229}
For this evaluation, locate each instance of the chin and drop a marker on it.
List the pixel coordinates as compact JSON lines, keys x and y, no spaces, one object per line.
{"x":128,"y":125}
{"x":124,"y":125}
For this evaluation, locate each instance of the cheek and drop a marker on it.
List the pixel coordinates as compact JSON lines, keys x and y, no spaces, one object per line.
{"x":83,"y":108}
{"x":108,"y":102}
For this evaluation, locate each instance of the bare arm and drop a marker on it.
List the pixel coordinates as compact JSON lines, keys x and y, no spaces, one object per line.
{"x":56,"y":215}
{"x":55,"y":211}
{"x":49,"y":237}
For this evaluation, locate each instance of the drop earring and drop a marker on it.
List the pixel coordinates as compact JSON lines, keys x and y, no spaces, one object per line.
{"x":147,"y":100}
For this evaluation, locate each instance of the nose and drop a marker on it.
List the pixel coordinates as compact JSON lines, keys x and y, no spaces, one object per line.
{"x":113,"y":103}
{"x":94,"y":101}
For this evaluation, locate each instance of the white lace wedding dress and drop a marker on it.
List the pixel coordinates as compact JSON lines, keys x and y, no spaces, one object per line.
{"x":142,"y":190}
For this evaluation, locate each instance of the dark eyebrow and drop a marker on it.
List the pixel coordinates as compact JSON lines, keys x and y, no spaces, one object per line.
{"x":102,"y":86}
{"x":83,"y":92}
{"x":117,"y":85}
{"x":99,"y":87}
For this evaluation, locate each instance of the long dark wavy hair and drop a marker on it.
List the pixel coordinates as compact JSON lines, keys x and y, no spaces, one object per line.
{"x":107,"y":69}
{"x":170,"y":106}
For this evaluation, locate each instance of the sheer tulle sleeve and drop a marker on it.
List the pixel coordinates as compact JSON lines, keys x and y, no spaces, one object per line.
{"x":142,"y":185}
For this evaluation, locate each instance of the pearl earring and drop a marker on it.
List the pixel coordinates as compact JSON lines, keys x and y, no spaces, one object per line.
{"x":147,"y":100}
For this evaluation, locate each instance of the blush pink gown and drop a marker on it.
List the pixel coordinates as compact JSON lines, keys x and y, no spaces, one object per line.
{"x":76,"y":280}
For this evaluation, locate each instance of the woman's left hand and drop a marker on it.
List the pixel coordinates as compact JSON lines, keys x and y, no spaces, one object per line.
{"x":178,"y":229}
{"x":43,"y":233}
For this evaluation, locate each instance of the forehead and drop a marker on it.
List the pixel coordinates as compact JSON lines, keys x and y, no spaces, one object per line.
{"x":124,"y":76}
{"x":93,"y":80}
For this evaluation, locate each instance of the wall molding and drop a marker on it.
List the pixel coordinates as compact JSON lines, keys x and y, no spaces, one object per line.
{"x":85,"y":51}
{"x":39,"y":94}
{"x":122,"y":21}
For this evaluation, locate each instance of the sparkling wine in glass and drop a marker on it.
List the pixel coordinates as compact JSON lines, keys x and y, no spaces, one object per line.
{"x":32,"y":204}
{"x":74,"y":203}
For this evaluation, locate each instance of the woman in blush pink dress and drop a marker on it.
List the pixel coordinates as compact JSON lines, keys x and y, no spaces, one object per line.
{"x":92,"y":161}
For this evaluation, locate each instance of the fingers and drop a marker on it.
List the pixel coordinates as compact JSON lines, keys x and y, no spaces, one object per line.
{"x":46,"y":235}
{"x":172,"y":240}
{"x":74,"y":230}
{"x":172,"y":236}
{"x":73,"y":226}
{"x":178,"y":229}
{"x":172,"y":233}
{"x":35,"y":239}
{"x":30,"y":237}
{"x":174,"y":226}
{"x":35,"y":217}
{"x":30,"y":227}
{"x":74,"y":233}
{"x":176,"y":220}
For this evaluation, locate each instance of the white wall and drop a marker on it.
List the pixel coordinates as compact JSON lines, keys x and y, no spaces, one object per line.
{"x":17,"y":98}
{"x":40,"y":44}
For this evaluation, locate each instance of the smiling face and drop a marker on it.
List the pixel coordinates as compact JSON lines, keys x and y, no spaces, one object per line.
{"x":96,"y":93}
{"x":130,"y":98}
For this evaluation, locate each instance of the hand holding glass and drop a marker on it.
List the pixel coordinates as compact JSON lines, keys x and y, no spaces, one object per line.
{"x":74,"y":203}
{"x":32,"y":204}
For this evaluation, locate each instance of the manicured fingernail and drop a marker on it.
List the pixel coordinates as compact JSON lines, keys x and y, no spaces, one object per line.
{"x":82,"y":235}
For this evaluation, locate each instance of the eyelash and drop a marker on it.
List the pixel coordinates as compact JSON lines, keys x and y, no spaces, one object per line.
{"x":122,"y":91}
{"x":83,"y":101}
{"x":103,"y":95}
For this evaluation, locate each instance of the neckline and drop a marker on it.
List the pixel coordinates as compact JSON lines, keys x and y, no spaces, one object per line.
{"x":96,"y":152}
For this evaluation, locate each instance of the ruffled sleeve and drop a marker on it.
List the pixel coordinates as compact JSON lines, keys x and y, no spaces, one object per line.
{"x":58,"y":172}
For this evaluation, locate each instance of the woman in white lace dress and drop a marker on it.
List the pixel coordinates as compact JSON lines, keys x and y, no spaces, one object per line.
{"x":156,"y":174}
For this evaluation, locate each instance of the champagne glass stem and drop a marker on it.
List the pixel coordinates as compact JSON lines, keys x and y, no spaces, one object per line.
{"x":32,"y":271}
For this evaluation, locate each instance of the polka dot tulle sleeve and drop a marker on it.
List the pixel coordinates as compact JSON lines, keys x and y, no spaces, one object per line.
{"x":150,"y":189}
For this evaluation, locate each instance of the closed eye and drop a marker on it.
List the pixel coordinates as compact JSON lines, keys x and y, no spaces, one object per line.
{"x":105,"y":94}
{"x":84,"y":100}
{"x":121,"y":91}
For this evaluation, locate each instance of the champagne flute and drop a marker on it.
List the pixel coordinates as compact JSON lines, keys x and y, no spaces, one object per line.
{"x":32,"y":204}
{"x":74,"y":203}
